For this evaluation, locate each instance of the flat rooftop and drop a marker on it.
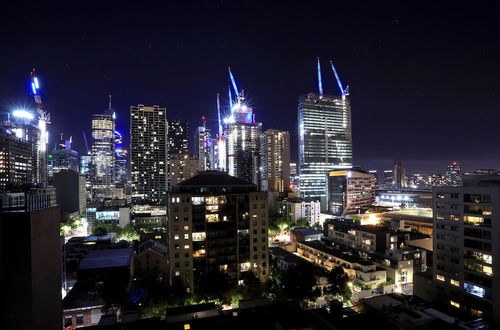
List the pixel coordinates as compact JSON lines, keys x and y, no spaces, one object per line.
{"x":338,"y":254}
{"x":107,"y":258}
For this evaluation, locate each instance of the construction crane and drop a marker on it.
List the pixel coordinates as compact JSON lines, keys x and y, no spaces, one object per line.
{"x":339,"y":83}
{"x":43,"y":120}
{"x":320,"y":82}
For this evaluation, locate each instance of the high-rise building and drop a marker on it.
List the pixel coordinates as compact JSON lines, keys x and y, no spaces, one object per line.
{"x":217,"y":223}
{"x":15,"y":160}
{"x":349,"y":191}
{"x":466,"y":255}
{"x":177,"y":137}
{"x":148,"y":154}
{"x":325,"y":141}
{"x":71,"y":193}
{"x":453,"y":174}
{"x":121,"y":159}
{"x":182,"y":167}
{"x":388,"y":177}
{"x":32,"y":130}
{"x":30,"y":262}
{"x":398,"y":175}
{"x":103,"y":156}
{"x":242,"y":134}
{"x":63,"y":157}
{"x":204,"y":148}
{"x":275,"y":160}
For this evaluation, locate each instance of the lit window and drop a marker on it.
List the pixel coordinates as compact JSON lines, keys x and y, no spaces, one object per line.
{"x":440,"y":278}
{"x":177,"y":273}
{"x":186,"y":227}
{"x":186,"y":246}
{"x":454,"y":304}
{"x":186,"y":236}
{"x":474,"y":290}
{"x":455,"y":282}
{"x":176,"y":236}
{"x":187,"y":326}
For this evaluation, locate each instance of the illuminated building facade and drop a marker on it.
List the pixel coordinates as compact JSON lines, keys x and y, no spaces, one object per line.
{"x":217,"y":223}
{"x":275,"y":160}
{"x":204,"y":148}
{"x":121,"y":155}
{"x":453,"y":174}
{"x":103,"y":156}
{"x":15,"y":160}
{"x":177,"y":137}
{"x":148,"y":154}
{"x":466,"y":252}
{"x":243,"y":134}
{"x":182,"y":167}
{"x":325,"y":141}
{"x":63,"y":157}
{"x":349,"y":191}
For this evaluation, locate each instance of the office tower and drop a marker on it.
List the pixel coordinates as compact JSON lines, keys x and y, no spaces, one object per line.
{"x":325,"y":142}
{"x":103,"y":156}
{"x":398,"y":175}
{"x":453,"y":174}
{"x":388,"y":175}
{"x":15,"y":160}
{"x":121,"y":155}
{"x":63,"y":157}
{"x":293,"y":168}
{"x":148,"y":154}
{"x":217,"y":223}
{"x":177,"y":137}
{"x":349,"y":191}
{"x":30,"y":262}
{"x":71,"y":193}
{"x":204,"y":148}
{"x":375,"y":174}
{"x":275,"y":160}
{"x":242,"y":134}
{"x":466,"y":254}
{"x":182,"y":167}
{"x":32,"y":130}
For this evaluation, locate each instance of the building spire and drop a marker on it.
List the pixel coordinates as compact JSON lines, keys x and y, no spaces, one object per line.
{"x":342,"y":91}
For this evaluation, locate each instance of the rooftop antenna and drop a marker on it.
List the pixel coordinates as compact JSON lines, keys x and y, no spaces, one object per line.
{"x":320,"y":83}
{"x":342,"y":90}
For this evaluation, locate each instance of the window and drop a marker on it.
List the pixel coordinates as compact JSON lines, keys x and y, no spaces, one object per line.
{"x":440,"y":216}
{"x":439,"y":195}
{"x":454,"y":217}
{"x":455,"y":282}
{"x":440,"y":278}
{"x":68,"y":321}
{"x":177,"y":273}
{"x":474,"y":290}
{"x":200,"y":236}
{"x":186,"y":246}
{"x":79,"y":319}
{"x":186,"y":227}
{"x":176,"y":236}
{"x":454,"y":304}
{"x":454,"y":195}
{"x":186,"y":236}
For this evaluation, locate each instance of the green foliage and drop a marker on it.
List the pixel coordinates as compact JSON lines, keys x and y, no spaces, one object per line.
{"x":130,"y":233}
{"x":71,"y":225}
{"x":302,"y":223}
{"x":99,"y":228}
{"x":212,"y":286}
{"x":338,"y":283}
{"x":295,"y":283}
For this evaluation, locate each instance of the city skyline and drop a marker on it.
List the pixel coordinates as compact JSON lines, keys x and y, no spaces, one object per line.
{"x":388,"y":69}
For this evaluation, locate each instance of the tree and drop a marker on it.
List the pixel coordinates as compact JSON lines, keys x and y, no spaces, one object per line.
{"x":302,"y":223}
{"x":252,"y":286}
{"x":338,"y":283}
{"x":298,"y":282}
{"x":212,"y":286}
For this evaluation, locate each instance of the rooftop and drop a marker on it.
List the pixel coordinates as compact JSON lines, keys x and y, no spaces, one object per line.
{"x":338,"y":254}
{"x":308,"y":231}
{"x":107,"y":258}
{"x":82,"y":295}
{"x":214,"y":178}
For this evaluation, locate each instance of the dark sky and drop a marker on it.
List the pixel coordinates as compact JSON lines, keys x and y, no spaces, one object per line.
{"x":424,"y":77}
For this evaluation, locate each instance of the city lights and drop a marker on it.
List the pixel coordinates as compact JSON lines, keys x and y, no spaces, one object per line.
{"x":25,"y":114}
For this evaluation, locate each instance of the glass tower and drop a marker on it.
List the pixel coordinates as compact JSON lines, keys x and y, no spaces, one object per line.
{"x":103,"y":156}
{"x":325,"y":141}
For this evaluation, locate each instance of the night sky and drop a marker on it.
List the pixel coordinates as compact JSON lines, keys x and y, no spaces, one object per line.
{"x":424,"y":78}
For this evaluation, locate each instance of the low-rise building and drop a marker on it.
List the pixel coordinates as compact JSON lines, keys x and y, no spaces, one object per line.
{"x":364,"y":272}
{"x":305,"y":235}
{"x":151,"y":255}
{"x":296,"y":208}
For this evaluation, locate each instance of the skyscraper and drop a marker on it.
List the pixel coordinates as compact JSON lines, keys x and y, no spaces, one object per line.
{"x":275,"y":160}
{"x":121,"y":155}
{"x":242,"y":134}
{"x":148,"y":154}
{"x":15,"y":160}
{"x":325,"y":141}
{"x":399,"y":176}
{"x":204,"y":148}
{"x":453,"y":174}
{"x":63,"y":157}
{"x":103,"y":156}
{"x":466,"y":250}
{"x":177,"y":137}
